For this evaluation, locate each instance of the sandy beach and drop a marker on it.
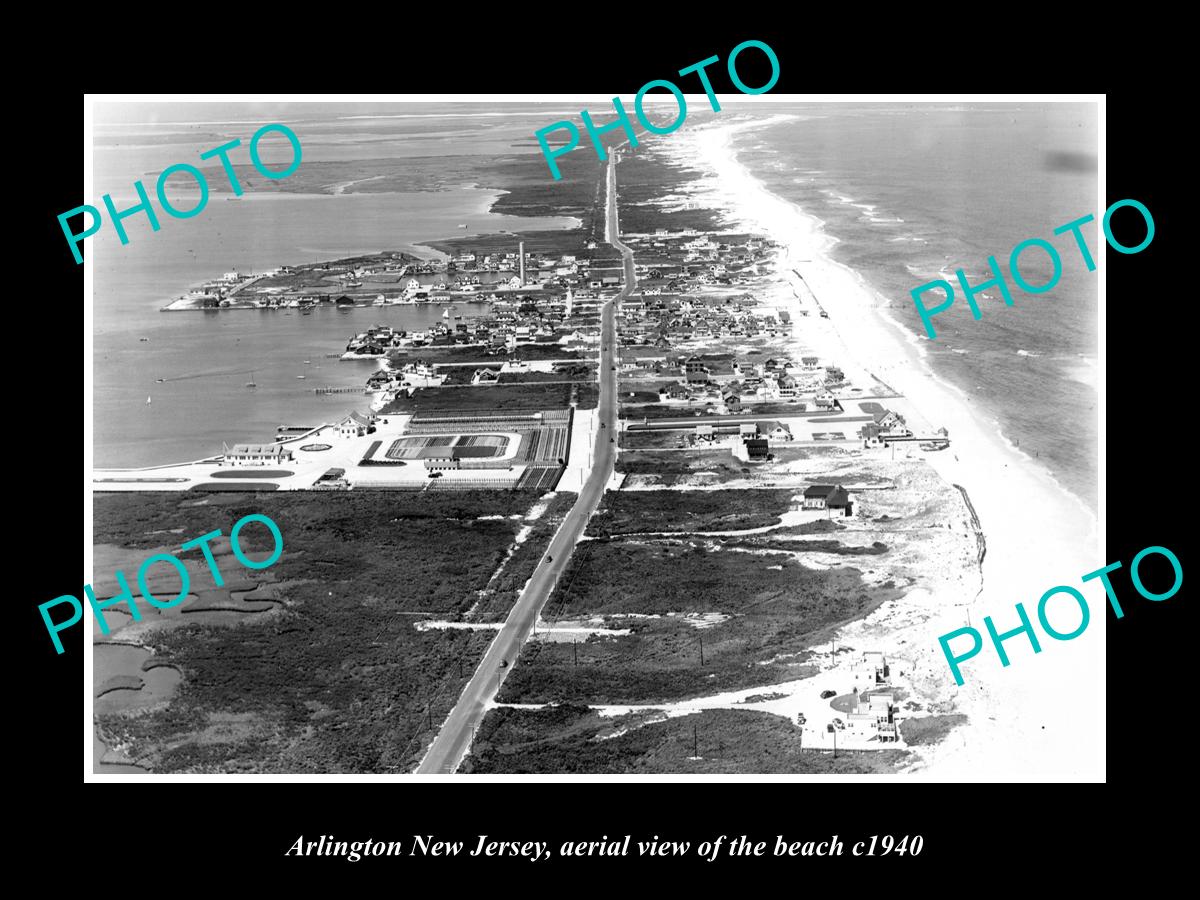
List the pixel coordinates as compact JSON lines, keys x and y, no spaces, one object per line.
{"x":1043,"y":716}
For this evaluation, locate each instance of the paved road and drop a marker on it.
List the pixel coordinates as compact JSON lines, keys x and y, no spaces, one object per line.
{"x":454,"y":738}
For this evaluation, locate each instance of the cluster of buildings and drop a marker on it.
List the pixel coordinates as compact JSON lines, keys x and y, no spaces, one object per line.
{"x":690,"y":259}
{"x":670,"y":320}
{"x":876,"y":710}
{"x":512,"y":323}
{"x":724,"y":384}
{"x":279,"y":452}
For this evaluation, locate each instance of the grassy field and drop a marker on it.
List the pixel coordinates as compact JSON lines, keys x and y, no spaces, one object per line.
{"x":929,"y":729}
{"x":339,"y":680}
{"x":623,"y":512}
{"x":645,"y":178}
{"x":655,"y":440}
{"x":497,"y":397}
{"x":764,"y":606}
{"x":574,"y":739}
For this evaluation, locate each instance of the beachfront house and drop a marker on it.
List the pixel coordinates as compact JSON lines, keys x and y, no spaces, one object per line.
{"x":876,"y":713}
{"x":883,"y":425}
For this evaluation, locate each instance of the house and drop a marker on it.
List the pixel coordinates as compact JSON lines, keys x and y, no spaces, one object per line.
{"x":355,"y":425}
{"x":775,"y":431}
{"x":883,"y":425}
{"x":826,"y":400}
{"x":732,"y":402}
{"x":442,"y":463}
{"x":379,"y":380}
{"x":256,"y":455}
{"x":829,"y":497}
{"x":705,"y":433}
{"x":485,"y":376}
{"x":752,"y":450}
{"x":747,"y":430}
{"x":876,"y":712}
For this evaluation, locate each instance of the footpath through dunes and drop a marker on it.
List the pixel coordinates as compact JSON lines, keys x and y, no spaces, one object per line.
{"x":454,"y":738}
{"x":341,"y":677}
{"x":723,"y":606}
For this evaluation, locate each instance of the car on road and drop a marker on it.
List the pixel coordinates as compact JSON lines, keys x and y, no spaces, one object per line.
{"x":435,"y":474}
{"x":549,"y":558}
{"x":825,"y":695}
{"x":503,"y":663}
{"x":839,"y":724}
{"x":800,"y":720}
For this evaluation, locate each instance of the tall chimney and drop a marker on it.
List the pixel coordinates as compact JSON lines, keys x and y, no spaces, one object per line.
{"x":521,"y":254}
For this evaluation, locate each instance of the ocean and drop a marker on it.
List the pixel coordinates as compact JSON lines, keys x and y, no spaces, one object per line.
{"x":206,"y":359}
{"x":913,"y":193}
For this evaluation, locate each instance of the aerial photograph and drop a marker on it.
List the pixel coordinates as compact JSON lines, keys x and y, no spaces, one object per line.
{"x":649,"y":469}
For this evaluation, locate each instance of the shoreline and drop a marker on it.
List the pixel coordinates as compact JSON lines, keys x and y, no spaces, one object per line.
{"x":1017,"y":721}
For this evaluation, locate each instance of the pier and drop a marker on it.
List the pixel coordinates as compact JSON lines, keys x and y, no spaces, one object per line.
{"x":340,"y":390}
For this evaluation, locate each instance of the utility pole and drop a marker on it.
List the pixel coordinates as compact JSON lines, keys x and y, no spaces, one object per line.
{"x":575,"y":651}
{"x":701,"y":649}
{"x":835,"y":742}
{"x":695,"y":742}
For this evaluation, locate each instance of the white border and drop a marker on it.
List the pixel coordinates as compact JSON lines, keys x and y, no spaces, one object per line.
{"x":725,"y":100}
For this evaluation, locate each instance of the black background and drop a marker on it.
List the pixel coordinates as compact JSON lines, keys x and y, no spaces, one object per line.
{"x":984,"y":831}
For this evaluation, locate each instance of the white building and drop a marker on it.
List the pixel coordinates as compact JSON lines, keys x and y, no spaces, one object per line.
{"x":256,"y":455}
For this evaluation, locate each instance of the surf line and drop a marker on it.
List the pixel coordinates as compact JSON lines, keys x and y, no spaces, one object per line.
{"x":998,"y":282}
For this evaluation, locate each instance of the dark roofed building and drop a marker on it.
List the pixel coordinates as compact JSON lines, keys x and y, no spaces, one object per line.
{"x":756,"y":448}
{"x":829,"y":496}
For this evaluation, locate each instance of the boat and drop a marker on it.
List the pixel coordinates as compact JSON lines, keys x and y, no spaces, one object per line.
{"x":299,"y":376}
{"x":158,"y":380}
{"x":147,"y":398}
{"x":250,"y":383}
{"x":143,"y":339}
{"x":462,"y":226}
